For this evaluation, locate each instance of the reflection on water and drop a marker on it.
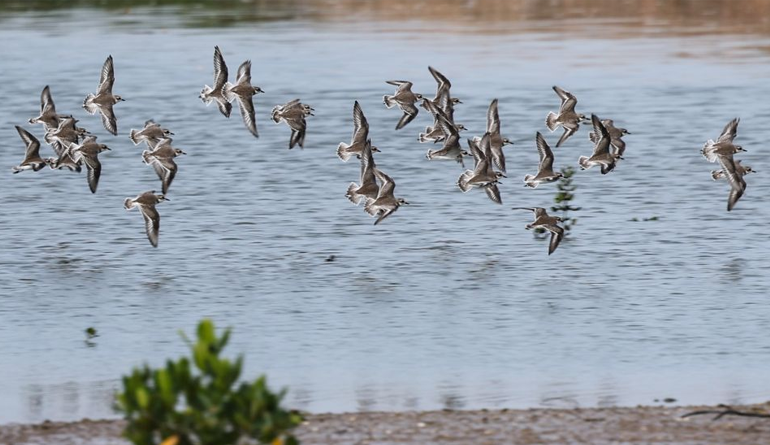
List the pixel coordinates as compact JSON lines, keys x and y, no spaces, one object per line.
{"x":619,"y":17}
{"x":448,"y":304}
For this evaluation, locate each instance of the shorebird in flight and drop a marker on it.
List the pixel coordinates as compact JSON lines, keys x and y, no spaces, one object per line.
{"x":545,"y":171}
{"x":601,"y":155}
{"x":405,"y":99}
{"x":217,"y":92}
{"x":547,"y":222}
{"x":104,"y":100}
{"x":567,"y":117}
{"x":146,"y":203}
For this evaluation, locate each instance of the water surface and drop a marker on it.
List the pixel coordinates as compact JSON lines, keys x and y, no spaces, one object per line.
{"x":449,"y":302}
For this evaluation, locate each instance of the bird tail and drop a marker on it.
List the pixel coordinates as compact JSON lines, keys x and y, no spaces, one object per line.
{"x":88,"y":105}
{"x":343,"y":153}
{"x":146,"y":154}
{"x":425,"y":137}
{"x":389,"y":101}
{"x":132,"y":136}
{"x":462,"y":181}
{"x":528,"y":181}
{"x":716,"y":174}
{"x":550,"y":121}
{"x":128,"y":204}
{"x":351,"y":194}
{"x":369,"y":207}
{"x":583,"y":161}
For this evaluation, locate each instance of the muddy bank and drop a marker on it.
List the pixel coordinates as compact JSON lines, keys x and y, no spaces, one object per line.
{"x":599,"y":426}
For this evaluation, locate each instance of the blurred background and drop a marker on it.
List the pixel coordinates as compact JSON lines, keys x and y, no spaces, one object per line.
{"x":657,"y":293}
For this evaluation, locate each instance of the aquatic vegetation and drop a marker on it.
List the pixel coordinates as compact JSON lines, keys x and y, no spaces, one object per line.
{"x":564,"y":196}
{"x":195,"y":400}
{"x":562,"y":207}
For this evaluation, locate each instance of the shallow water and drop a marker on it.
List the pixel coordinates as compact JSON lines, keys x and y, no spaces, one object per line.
{"x":449,"y":302}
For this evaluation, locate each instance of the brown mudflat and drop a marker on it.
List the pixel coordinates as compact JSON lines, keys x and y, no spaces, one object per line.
{"x":595,"y":426}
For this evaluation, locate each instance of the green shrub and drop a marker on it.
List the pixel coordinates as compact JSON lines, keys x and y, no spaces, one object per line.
{"x":195,"y":401}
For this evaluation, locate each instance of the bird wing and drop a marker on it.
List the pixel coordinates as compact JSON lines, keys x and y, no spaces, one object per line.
{"x":493,"y":118}
{"x":730,"y":131}
{"x":603,"y":144}
{"x":107,"y":78}
{"x":220,"y":70}
{"x":557,"y":233}
{"x":387,"y":187}
{"x":545,"y":152}
{"x":493,"y":192}
{"x":244,"y":73}
{"x":33,"y":145}
{"x":367,"y":165}
{"x":108,"y":118}
{"x":246,"y":105}
{"x":46,"y":101}
{"x":443,"y":82}
{"x":94,"y":168}
{"x":360,"y":125}
{"x":151,"y":223}
{"x":410,"y":112}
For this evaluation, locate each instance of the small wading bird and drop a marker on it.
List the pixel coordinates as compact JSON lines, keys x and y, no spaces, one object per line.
{"x":60,"y":139}
{"x":293,"y":113}
{"x":567,"y":117}
{"x":545,"y":171}
{"x":151,"y":133}
{"x":386,"y":203}
{"x":368,"y":188}
{"x":88,"y":153}
{"x":243,"y":92}
{"x":445,"y":102}
{"x":103,"y":100}
{"x":360,"y":136}
{"x":496,"y":141}
{"x":451,"y":149}
{"x":616,"y":137}
{"x":405,"y":99}
{"x":483,"y":175}
{"x":161,"y":159}
{"x":723,"y":150}
{"x":601,"y":155}
{"x":48,"y":116}
{"x":217,"y":93}
{"x":32,"y":160}
{"x":436,"y":132}
{"x":740,"y":169}
{"x":146,"y":203}
{"x":547,"y":222}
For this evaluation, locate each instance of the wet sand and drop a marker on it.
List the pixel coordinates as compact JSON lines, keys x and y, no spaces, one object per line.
{"x":595,"y":426}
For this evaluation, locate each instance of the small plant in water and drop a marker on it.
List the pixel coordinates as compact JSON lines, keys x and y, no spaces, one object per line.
{"x":562,"y":201}
{"x":195,"y":401}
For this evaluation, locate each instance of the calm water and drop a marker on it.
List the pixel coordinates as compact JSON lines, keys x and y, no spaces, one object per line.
{"x":448,"y":303}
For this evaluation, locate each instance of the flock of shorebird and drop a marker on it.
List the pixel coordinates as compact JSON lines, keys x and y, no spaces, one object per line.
{"x":75,"y":146}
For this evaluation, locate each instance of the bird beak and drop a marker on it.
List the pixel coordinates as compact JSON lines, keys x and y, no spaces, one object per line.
{"x":108,"y":148}
{"x":184,"y":153}
{"x":459,"y":101}
{"x":171,"y":133}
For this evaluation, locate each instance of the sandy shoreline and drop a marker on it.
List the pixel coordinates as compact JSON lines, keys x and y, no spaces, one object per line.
{"x":595,"y":426}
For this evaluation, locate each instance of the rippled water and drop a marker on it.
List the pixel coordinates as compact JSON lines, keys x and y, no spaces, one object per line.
{"x":449,"y":302}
